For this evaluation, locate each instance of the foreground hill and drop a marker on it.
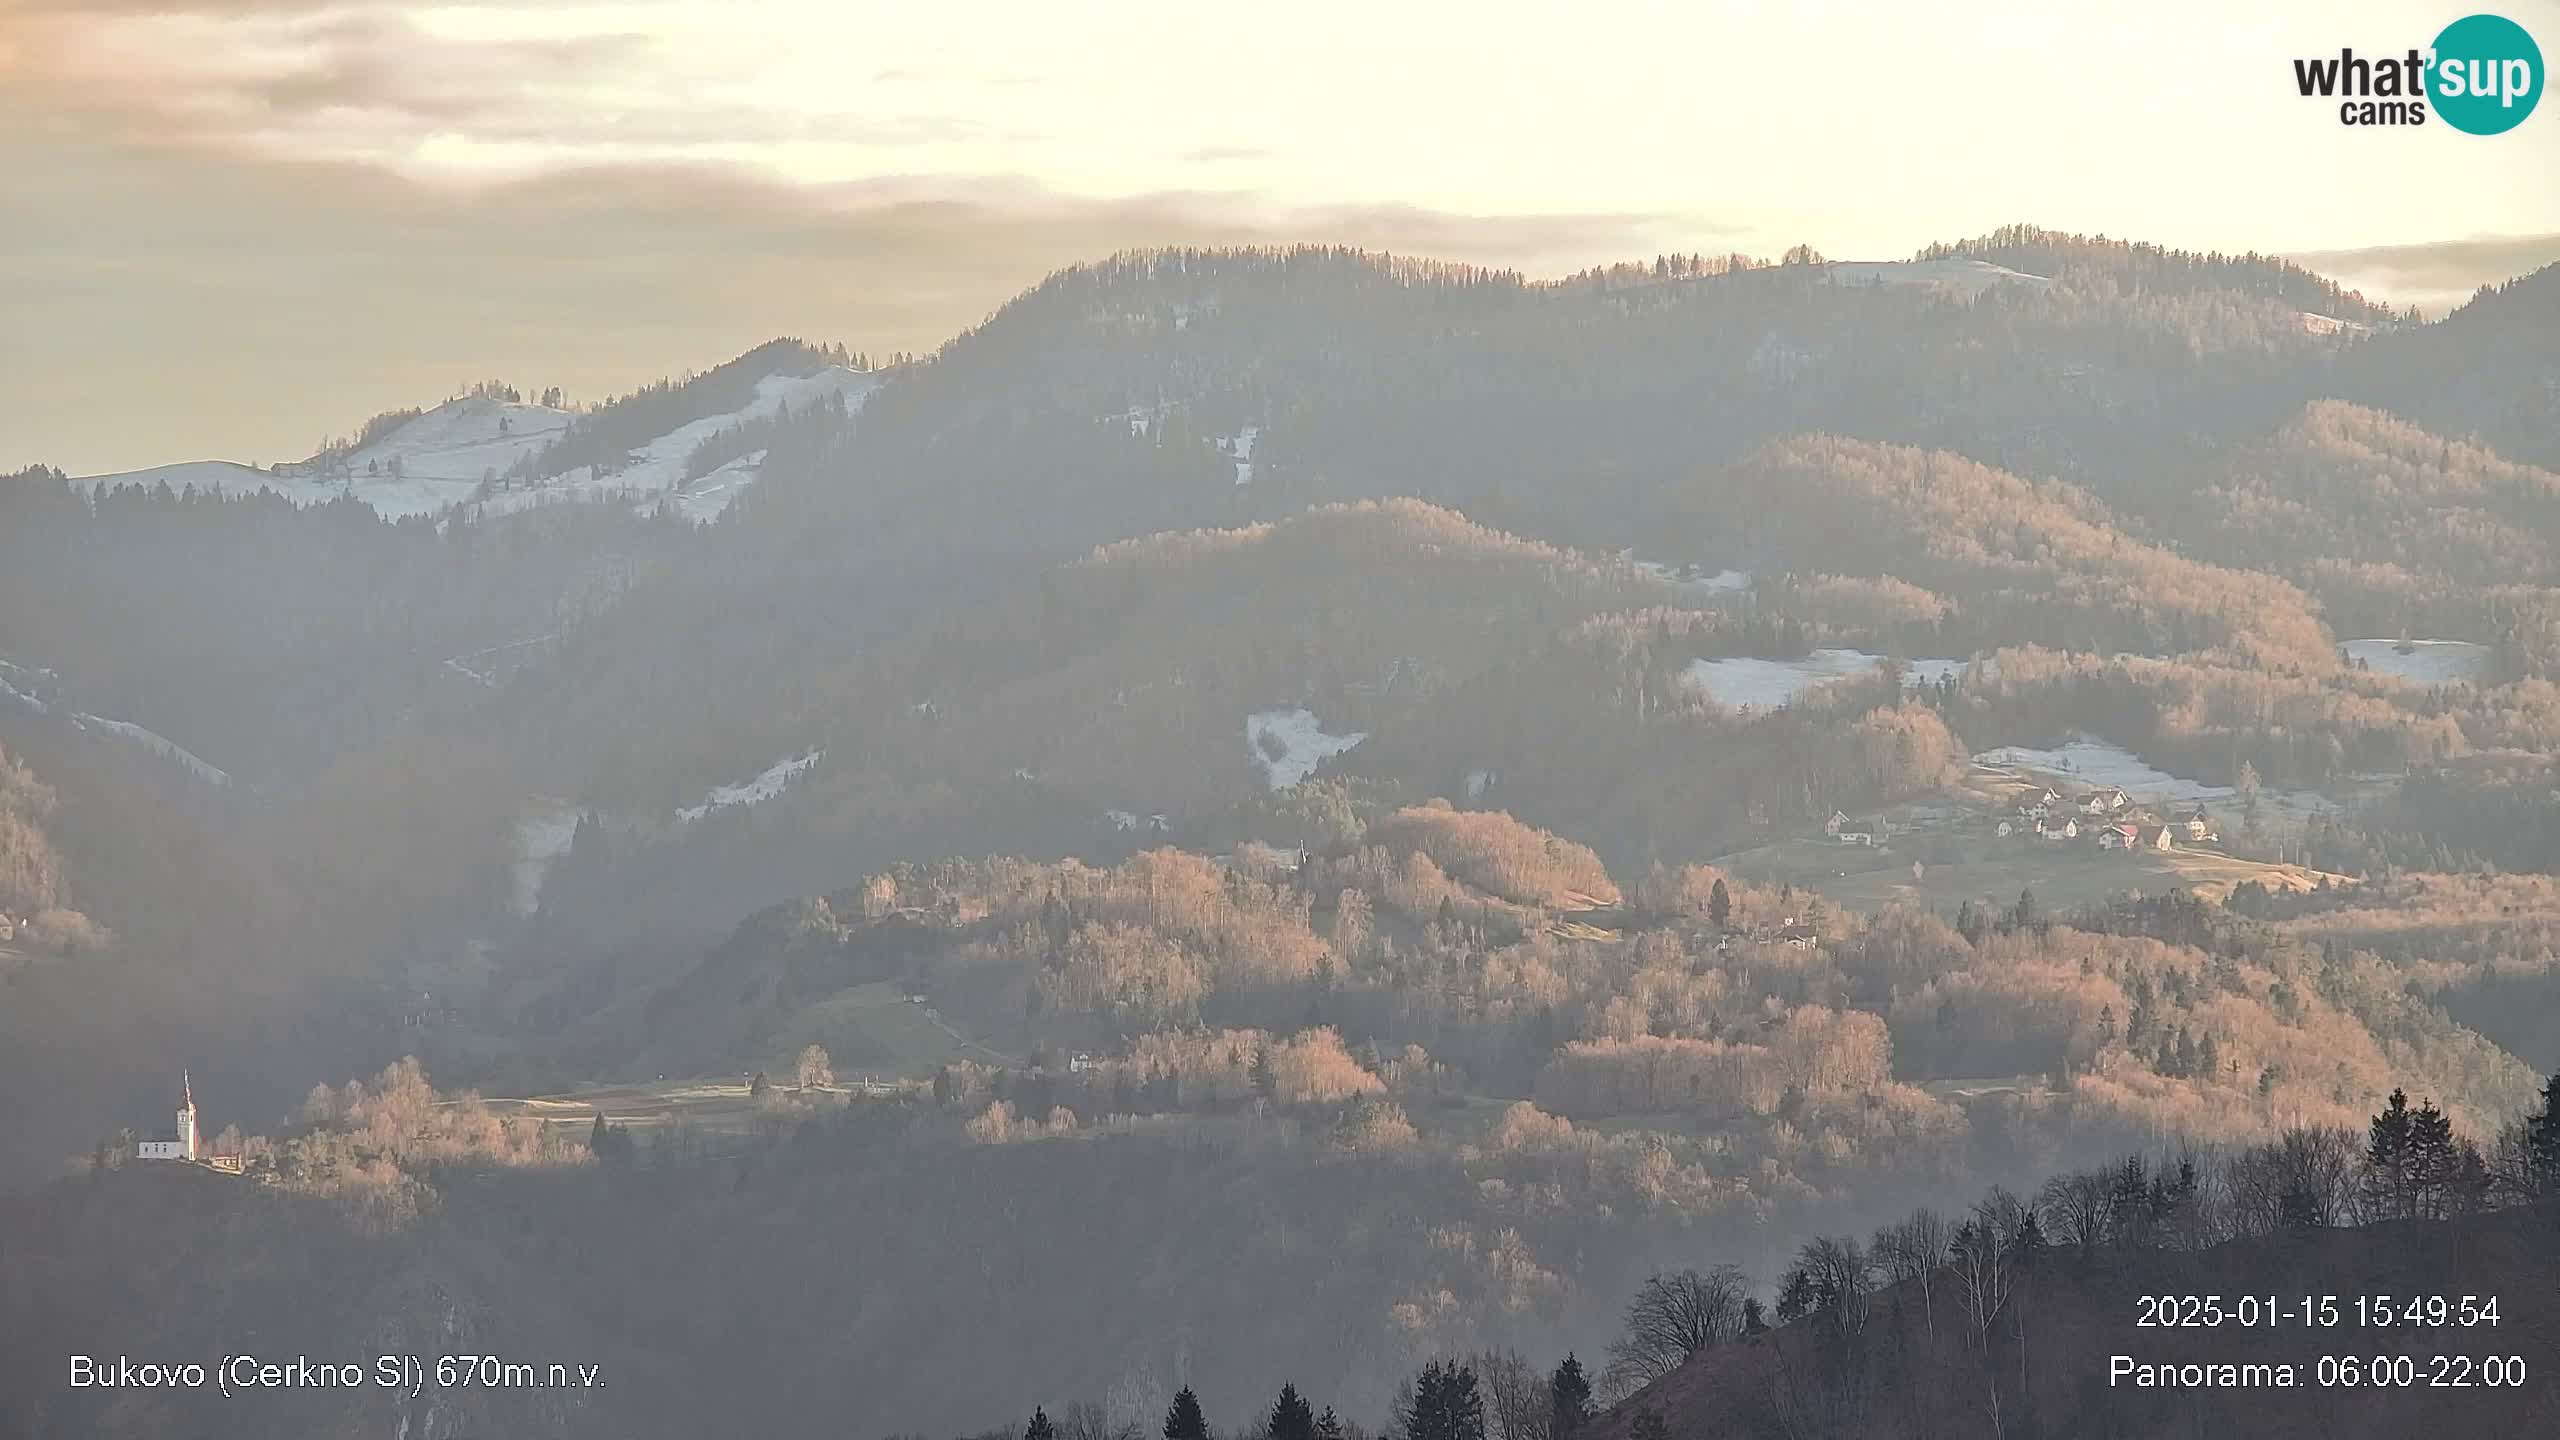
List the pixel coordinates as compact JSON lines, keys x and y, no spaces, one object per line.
{"x":1918,"y":1363}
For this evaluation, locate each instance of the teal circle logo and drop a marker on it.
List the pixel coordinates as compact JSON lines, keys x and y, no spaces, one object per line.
{"x":2486,"y":75}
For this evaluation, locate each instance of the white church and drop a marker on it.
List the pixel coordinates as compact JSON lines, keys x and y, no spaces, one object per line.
{"x":184,"y":1147}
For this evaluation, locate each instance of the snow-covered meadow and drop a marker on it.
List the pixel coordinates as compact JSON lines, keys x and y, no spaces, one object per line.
{"x":443,"y":456}
{"x":2429,"y":662}
{"x":1770,"y":684}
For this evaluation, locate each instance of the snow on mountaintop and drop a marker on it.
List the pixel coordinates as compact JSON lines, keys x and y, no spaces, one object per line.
{"x":463,"y":440}
{"x":443,"y":455}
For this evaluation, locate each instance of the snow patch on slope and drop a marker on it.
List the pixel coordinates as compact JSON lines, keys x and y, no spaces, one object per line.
{"x":158,"y":744}
{"x":1691,"y":577}
{"x":21,"y":682}
{"x":1239,"y":447}
{"x":542,"y":836}
{"x":2429,"y":662}
{"x":1772,"y":684}
{"x":764,"y":787}
{"x":444,"y":454}
{"x":1289,"y":744}
{"x":2099,"y":764}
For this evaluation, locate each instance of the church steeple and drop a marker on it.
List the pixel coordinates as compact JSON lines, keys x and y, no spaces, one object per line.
{"x":187,"y":1116}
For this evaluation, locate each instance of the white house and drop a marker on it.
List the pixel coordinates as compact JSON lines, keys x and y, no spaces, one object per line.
{"x":2105,"y":802}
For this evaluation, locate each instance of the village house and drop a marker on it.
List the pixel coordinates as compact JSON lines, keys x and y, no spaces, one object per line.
{"x":2069,"y":829}
{"x":2118,"y":837}
{"x":2199,"y":827}
{"x":2104,"y":802}
{"x":2152,"y":837}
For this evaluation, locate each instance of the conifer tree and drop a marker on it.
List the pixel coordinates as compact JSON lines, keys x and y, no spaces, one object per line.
{"x":1446,"y":1404}
{"x":1039,"y":1428}
{"x":1720,"y":905}
{"x":2386,"y":1157}
{"x":2542,"y":1140}
{"x":2435,"y":1160}
{"x":1291,"y":1418}
{"x":1569,"y":1399}
{"x":1183,"y":1421}
{"x":1327,"y":1427}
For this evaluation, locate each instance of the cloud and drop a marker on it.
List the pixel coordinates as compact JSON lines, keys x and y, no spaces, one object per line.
{"x":2435,"y":273}
{"x":403,"y":88}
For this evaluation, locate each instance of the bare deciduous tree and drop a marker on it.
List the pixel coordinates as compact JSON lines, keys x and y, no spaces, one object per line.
{"x":1517,"y":1405}
{"x":1672,"y":1318}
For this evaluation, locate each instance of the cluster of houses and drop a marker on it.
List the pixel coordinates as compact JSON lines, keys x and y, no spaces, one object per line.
{"x":1790,"y":932}
{"x":1870,"y":833}
{"x":2107,"y":817}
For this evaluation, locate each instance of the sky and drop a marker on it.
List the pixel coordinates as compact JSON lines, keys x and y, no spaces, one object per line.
{"x":232,"y":228}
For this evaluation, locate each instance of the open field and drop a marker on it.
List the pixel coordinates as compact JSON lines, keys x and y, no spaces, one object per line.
{"x":875,"y":1029}
{"x":710,"y":1104}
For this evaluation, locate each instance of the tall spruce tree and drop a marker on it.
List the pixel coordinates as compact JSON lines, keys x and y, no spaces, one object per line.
{"x":2386,"y":1158}
{"x":1039,"y":1428}
{"x":1446,"y":1404}
{"x":2542,"y":1141}
{"x":2435,"y":1161}
{"x":1183,"y":1421}
{"x":1291,"y":1418}
{"x":1568,"y":1398}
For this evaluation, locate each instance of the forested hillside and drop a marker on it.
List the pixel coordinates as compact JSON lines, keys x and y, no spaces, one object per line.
{"x":1263,"y":756}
